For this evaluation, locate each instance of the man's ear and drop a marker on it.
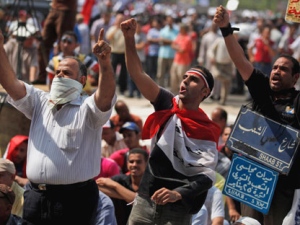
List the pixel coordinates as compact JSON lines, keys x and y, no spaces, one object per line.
{"x":206,"y":92}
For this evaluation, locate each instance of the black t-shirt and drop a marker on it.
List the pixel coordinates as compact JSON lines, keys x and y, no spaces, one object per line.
{"x":122,"y":210}
{"x":284,"y":111}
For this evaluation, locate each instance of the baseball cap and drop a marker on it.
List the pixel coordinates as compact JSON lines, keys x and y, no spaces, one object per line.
{"x":248,"y":221}
{"x":129,"y":126}
{"x":7,"y":193}
{"x":7,"y":165}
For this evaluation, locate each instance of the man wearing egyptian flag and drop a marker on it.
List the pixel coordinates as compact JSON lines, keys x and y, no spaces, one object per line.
{"x":183,"y":144}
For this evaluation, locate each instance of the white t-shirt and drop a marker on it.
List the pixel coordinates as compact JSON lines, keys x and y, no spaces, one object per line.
{"x":214,"y":204}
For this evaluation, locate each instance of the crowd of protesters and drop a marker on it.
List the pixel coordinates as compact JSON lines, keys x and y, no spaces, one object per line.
{"x":168,"y":41}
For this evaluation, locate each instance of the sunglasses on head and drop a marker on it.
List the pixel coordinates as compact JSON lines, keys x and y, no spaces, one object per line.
{"x":67,"y":40}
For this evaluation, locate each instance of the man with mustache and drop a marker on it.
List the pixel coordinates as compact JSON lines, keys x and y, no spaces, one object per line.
{"x":63,"y":146}
{"x":275,"y":97}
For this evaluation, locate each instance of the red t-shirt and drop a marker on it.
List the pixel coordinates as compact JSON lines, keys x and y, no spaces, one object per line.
{"x":262,"y":54}
{"x":185,"y":43}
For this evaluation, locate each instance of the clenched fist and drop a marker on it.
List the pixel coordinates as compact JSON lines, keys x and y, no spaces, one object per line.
{"x":128,"y":27}
{"x":221,"y":17}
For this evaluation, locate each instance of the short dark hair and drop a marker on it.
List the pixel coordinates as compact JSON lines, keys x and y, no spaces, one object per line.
{"x":296,"y":67}
{"x":223,"y":113}
{"x":139,"y":151}
{"x":71,"y":33}
{"x":82,"y":67}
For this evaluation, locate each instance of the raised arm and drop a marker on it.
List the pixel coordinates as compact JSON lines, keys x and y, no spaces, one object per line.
{"x":106,"y":84}
{"x":145,"y":84}
{"x":8,"y":79}
{"x":235,"y":51}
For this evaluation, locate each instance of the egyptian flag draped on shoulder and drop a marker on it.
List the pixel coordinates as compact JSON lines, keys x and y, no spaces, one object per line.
{"x":189,"y":139}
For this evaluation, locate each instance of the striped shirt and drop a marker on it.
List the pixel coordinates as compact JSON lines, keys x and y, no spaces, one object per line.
{"x":64,"y":146}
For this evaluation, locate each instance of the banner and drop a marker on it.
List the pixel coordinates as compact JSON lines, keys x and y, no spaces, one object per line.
{"x":264,"y":140}
{"x":293,"y":11}
{"x":251,"y":183}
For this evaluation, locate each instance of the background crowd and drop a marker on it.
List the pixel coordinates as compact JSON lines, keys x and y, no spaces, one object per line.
{"x":168,"y":42}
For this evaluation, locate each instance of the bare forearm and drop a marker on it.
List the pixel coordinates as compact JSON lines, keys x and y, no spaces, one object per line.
{"x":144,"y":83}
{"x":133,"y":62}
{"x":116,"y":190}
{"x":125,"y":193}
{"x":106,"y":87}
{"x":110,"y":192}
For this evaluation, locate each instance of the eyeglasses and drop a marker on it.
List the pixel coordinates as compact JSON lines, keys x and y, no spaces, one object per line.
{"x":67,"y":40}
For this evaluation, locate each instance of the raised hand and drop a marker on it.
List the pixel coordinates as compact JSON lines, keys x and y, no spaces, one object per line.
{"x":128,"y":27}
{"x":221,"y":17}
{"x":102,"y":49}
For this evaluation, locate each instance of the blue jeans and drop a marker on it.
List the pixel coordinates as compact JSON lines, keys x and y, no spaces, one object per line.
{"x":105,"y":212}
{"x":146,"y":212}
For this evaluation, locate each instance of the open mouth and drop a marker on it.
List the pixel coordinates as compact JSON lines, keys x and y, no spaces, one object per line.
{"x":182,"y":90}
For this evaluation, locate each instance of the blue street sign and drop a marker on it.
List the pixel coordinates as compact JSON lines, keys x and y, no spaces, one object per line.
{"x":251,"y":183}
{"x":264,"y":140}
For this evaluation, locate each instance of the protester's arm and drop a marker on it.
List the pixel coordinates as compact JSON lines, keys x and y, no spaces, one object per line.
{"x":21,"y":181}
{"x":235,"y":51}
{"x":8,"y":79}
{"x":145,"y":84}
{"x":186,"y":193}
{"x":115,"y":190}
{"x":233,"y":213}
{"x":106,"y":84}
{"x":163,"y":196}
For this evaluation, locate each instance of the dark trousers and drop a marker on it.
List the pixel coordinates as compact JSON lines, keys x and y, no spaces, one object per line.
{"x":152,"y":66}
{"x":61,"y":204}
{"x":119,"y":59}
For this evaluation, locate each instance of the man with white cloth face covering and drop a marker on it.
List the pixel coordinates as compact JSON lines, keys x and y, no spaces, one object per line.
{"x":65,"y":88}
{"x":63,"y":147}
